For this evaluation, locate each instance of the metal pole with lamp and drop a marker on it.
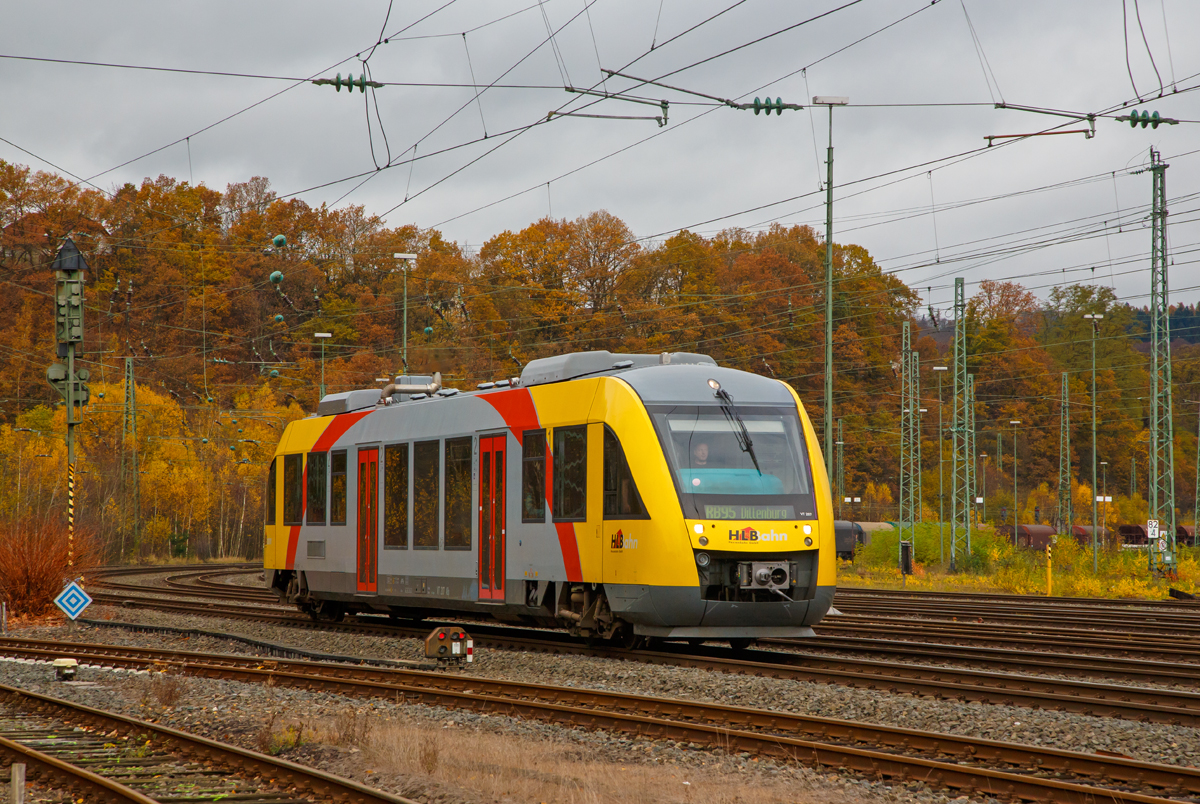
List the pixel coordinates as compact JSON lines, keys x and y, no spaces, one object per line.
{"x":941,"y":472}
{"x":1095,"y":535}
{"x":322,"y":336}
{"x":409,"y":260}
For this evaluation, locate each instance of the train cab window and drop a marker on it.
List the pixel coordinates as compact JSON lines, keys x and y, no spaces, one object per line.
{"x":318,"y":463}
{"x":621,"y":498}
{"x":395,"y":496}
{"x":426,"y":497}
{"x":570,"y":474}
{"x":458,"y":493}
{"x":533,"y":476}
{"x":293,"y":489}
{"x":271,"y":493}
{"x":337,"y":487}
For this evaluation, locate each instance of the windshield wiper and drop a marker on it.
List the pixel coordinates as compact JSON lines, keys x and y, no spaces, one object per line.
{"x":731,"y":412}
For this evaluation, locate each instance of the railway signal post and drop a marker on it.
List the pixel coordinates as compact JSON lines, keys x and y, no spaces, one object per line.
{"x":69,"y":266}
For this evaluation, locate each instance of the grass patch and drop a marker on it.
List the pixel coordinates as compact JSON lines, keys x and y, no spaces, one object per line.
{"x":995,"y":565}
{"x":439,"y":757}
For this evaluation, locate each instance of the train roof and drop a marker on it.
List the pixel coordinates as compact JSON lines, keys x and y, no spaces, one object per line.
{"x":684,"y":380}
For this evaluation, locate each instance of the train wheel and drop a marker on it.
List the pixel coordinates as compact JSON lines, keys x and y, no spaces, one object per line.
{"x":629,"y":640}
{"x":741,"y":643}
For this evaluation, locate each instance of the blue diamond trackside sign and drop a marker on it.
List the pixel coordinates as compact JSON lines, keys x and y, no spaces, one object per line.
{"x":73,"y":600}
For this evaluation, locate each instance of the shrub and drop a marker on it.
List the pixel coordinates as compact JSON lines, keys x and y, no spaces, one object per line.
{"x":34,"y":563}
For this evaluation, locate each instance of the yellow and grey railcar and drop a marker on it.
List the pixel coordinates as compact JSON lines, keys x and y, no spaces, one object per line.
{"x":617,"y":496}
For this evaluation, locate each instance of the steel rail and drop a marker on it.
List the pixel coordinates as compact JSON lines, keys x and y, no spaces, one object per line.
{"x":1112,"y":668}
{"x":1146,"y":622}
{"x":1082,"y":697}
{"x":850,"y":592}
{"x":316,"y":782}
{"x":765,"y":732}
{"x":1126,"y":642}
{"x":70,"y":777}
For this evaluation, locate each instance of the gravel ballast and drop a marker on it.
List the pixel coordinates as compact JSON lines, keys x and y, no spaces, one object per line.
{"x":238,"y":713}
{"x":1152,"y":742}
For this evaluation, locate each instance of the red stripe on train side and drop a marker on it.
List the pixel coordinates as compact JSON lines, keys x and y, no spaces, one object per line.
{"x":517,"y":409}
{"x":335,"y":430}
{"x":570,"y":550}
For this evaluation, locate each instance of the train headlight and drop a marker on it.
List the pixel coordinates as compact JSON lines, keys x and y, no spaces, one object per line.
{"x":808,"y":541}
{"x":703,"y":559}
{"x":703,"y":541}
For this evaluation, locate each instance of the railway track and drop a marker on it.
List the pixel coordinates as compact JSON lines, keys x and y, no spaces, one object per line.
{"x":104,"y":756}
{"x":1029,"y":601}
{"x":960,"y":763}
{"x":1096,"y":698}
{"x":994,"y":674}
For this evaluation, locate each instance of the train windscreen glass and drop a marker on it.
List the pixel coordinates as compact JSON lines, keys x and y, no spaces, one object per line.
{"x":721,"y":476}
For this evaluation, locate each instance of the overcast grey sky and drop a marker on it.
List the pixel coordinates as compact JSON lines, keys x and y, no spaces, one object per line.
{"x":702,"y":171}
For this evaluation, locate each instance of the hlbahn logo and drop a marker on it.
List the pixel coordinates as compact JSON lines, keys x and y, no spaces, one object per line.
{"x":751,"y":535}
{"x":620,"y":541}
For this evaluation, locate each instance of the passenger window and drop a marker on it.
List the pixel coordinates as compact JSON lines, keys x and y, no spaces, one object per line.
{"x":293,"y":490}
{"x":395,"y":495}
{"x":533,"y":476}
{"x":317,"y":478}
{"x":621,"y":498}
{"x":458,"y":493}
{"x":426,"y":499}
{"x":570,"y":474}
{"x":271,"y":493}
{"x":337,"y":488}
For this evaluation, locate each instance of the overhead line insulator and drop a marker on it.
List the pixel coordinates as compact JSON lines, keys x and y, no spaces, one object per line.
{"x":349,"y":82}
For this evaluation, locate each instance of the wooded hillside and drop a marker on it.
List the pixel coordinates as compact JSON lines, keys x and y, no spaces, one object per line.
{"x":223,"y":357}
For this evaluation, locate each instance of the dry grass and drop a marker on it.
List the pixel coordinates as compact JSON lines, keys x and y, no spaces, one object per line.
{"x":496,"y":767}
{"x":995,"y":565}
{"x":34,"y":563}
{"x":273,"y":738}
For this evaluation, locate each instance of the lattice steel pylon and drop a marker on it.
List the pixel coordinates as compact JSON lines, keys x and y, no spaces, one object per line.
{"x":1064,"y":460}
{"x":910,"y":439}
{"x":1162,"y":432}
{"x":960,"y":489}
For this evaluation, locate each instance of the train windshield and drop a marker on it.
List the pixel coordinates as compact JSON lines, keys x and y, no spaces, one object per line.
{"x":721,"y":476}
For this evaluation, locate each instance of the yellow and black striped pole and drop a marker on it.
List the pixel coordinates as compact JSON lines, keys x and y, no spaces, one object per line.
{"x":71,"y":518}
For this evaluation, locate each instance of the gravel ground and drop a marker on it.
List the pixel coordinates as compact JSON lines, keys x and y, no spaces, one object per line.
{"x":238,"y":713}
{"x":1154,"y":742}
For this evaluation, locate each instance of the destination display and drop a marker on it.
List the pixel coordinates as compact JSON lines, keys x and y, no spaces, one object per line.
{"x":749,"y":512}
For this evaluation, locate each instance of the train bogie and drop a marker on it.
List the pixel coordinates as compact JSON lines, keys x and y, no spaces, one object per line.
{"x":652,"y":495}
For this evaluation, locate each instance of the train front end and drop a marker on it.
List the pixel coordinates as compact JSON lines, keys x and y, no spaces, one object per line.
{"x":745,"y":468}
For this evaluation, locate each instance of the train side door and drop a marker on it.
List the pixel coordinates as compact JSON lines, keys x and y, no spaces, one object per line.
{"x":492,"y":517}
{"x":368,"y":519}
